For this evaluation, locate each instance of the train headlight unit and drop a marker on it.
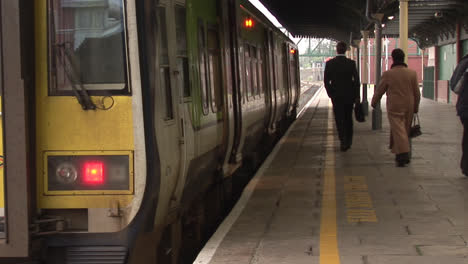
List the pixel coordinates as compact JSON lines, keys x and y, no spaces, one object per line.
{"x":87,"y":173}
{"x":66,"y":173}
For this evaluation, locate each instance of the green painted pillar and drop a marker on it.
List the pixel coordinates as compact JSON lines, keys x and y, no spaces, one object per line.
{"x":404,"y":27}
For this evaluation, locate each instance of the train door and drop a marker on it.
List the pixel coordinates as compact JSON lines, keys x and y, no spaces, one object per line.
{"x":171,"y":87}
{"x":294,"y":80}
{"x":272,"y":87}
{"x":287,"y":78}
{"x":14,"y":226}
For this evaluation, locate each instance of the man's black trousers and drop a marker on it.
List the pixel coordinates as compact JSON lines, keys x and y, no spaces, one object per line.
{"x":344,"y":121}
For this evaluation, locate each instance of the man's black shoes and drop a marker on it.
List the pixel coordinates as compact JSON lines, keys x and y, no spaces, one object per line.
{"x":344,"y":148}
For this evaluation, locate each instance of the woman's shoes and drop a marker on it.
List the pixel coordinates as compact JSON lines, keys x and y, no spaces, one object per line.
{"x":402,"y":159}
{"x":401,"y":163}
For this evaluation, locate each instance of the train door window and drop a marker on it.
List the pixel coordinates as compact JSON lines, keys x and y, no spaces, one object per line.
{"x":260,"y":70}
{"x":215,"y":71}
{"x":279,"y":74}
{"x":204,"y":80}
{"x":284,"y":68}
{"x":247,"y":65}
{"x":164,"y":70}
{"x":293,"y":73}
{"x":182,"y":58}
{"x":253,"y":69}
{"x":87,"y":46}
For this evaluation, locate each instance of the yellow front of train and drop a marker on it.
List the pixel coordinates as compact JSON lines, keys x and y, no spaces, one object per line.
{"x":2,"y":186}
{"x":90,"y":149}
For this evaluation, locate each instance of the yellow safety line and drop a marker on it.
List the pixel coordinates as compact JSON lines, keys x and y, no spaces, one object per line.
{"x":328,"y":230}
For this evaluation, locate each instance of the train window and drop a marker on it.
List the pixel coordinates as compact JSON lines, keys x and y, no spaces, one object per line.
{"x":247,"y":65}
{"x":253,"y":59}
{"x":182,"y":58}
{"x":87,"y":47}
{"x":164,"y":70}
{"x":279,"y":73}
{"x":215,"y":70}
{"x":284,"y":67}
{"x":260,"y":71}
{"x":203,"y":66}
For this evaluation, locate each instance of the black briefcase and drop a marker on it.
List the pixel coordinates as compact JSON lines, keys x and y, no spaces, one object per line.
{"x":359,"y":112}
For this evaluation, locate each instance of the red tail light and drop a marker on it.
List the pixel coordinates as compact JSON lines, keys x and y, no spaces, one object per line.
{"x":93,"y":173}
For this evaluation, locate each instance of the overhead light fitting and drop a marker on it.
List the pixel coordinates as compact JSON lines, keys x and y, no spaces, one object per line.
{"x":390,"y":17}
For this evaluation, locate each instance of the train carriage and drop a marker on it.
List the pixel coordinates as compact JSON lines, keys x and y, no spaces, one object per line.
{"x":142,"y":122}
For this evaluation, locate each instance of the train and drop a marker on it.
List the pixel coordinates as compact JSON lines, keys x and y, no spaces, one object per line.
{"x":144,"y":121}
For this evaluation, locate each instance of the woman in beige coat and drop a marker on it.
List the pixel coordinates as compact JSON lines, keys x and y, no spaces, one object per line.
{"x":403,"y":96}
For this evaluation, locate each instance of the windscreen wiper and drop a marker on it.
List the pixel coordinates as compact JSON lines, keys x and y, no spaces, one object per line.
{"x":81,"y":94}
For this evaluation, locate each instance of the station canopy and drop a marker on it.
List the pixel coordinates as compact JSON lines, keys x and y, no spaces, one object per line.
{"x":345,"y":19}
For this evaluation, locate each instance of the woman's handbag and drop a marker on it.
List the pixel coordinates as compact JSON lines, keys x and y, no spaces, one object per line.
{"x":415,"y":129}
{"x":359,"y":113}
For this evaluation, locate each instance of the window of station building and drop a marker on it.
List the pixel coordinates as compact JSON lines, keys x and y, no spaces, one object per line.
{"x":182,"y":58}
{"x":203,"y":65}
{"x":164,"y":69}
{"x":215,"y":68}
{"x":87,"y":47}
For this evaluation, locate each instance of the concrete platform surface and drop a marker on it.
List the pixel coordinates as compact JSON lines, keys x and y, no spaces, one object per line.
{"x":311,"y":203}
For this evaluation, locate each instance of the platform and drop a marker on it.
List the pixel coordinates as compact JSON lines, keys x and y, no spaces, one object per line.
{"x":311,"y":203}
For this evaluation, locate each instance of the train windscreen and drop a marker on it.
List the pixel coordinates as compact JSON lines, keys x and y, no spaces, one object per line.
{"x":87,"y":47}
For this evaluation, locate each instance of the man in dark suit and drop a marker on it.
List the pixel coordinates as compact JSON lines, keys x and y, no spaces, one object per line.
{"x":459,"y":84}
{"x":342,"y":85}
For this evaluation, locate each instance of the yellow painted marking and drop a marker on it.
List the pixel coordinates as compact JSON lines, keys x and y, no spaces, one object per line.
{"x":361,"y":215}
{"x":358,"y":199}
{"x":355,"y":187}
{"x":328,"y":230}
{"x":355,"y":179}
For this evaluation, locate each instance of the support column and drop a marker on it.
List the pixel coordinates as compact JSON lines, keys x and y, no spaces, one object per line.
{"x":357,"y":59}
{"x":404,"y":27}
{"x":364,"y":69}
{"x":386,"y":53}
{"x":377,"y":112}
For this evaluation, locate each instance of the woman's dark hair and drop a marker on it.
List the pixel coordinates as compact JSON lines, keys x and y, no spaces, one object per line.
{"x":398,"y":55}
{"x":341,"y":47}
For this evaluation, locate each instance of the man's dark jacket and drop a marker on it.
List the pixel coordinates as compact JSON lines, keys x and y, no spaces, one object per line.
{"x":341,"y":79}
{"x":462,"y":102}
